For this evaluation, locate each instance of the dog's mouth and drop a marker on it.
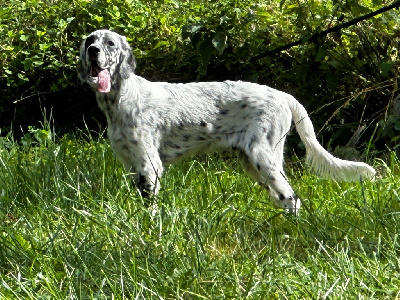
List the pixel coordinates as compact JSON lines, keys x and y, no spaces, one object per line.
{"x":102,"y":77}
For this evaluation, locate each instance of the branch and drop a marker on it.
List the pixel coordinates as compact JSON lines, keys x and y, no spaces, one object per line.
{"x":320,"y":34}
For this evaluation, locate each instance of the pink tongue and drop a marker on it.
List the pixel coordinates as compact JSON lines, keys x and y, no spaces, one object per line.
{"x":104,"y":81}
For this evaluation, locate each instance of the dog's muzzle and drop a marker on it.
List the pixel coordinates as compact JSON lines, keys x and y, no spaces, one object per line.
{"x":99,"y":76}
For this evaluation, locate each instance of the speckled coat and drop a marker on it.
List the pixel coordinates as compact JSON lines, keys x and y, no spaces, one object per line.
{"x":153,"y":124}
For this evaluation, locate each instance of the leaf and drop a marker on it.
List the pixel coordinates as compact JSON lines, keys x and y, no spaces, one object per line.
{"x":224,"y":20}
{"x":206,"y":49}
{"x":219,"y":41}
{"x":22,"y":77}
{"x":24,"y":37}
{"x":386,"y":67}
{"x":44,"y":47}
{"x":38,"y":63}
{"x":321,"y":54}
{"x":27,"y":64}
{"x":161,"y":44}
{"x":98,"y":18}
{"x":116,"y":11}
{"x":189,"y":30}
{"x":40,"y":33}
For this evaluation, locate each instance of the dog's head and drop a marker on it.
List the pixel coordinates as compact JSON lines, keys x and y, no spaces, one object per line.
{"x":105,"y":58}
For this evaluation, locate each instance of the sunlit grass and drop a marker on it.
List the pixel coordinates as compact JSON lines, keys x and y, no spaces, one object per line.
{"x":73,"y":227}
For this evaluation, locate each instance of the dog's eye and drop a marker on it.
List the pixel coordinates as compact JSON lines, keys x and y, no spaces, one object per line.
{"x":110,"y":43}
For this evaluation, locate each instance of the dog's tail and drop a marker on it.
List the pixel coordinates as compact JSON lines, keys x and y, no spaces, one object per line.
{"x":324,"y":163}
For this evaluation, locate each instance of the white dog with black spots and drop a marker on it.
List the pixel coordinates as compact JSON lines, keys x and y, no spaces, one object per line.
{"x":154,"y":124}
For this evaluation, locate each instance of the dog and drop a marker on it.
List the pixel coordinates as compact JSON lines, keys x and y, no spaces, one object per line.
{"x":154,"y":124}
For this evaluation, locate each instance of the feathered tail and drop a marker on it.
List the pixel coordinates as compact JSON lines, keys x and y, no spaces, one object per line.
{"x":324,"y":163}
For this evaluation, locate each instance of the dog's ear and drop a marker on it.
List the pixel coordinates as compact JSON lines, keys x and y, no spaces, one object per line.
{"x":128,"y":62}
{"x":82,"y":68}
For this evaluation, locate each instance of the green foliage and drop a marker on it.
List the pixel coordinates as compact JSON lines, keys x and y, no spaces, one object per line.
{"x":184,"y":40}
{"x":36,"y":45}
{"x":73,"y":227}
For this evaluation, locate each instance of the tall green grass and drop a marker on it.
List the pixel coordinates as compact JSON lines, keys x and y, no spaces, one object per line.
{"x":73,"y":227}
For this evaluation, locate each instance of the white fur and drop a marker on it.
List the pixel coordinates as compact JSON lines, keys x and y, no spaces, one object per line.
{"x":153,"y":124}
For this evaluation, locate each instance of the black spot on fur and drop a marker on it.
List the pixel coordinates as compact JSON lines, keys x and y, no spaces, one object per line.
{"x":258,"y":167}
{"x":169,"y":144}
{"x":202,"y":123}
{"x":223,"y":111}
{"x":281,"y":197}
{"x":281,"y":130}
{"x":178,"y":154}
{"x":143,"y":186}
{"x":89,"y":41}
{"x":244,"y":105}
{"x":269,"y":138}
{"x":252,"y":141}
{"x":238,"y":138}
{"x":201,"y":138}
{"x":164,"y":157}
{"x":270,"y":135}
{"x":259,"y":113}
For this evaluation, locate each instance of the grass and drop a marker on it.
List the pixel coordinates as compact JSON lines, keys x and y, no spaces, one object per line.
{"x":72,"y":227}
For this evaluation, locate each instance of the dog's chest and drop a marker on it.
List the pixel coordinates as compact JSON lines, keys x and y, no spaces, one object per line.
{"x":122,"y":130}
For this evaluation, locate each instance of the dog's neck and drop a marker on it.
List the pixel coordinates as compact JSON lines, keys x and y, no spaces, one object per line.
{"x":107,"y":104}
{"x":110,"y":103}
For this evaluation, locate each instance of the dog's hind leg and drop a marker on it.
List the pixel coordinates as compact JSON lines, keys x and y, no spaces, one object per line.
{"x":260,"y":165}
{"x":250,"y":170}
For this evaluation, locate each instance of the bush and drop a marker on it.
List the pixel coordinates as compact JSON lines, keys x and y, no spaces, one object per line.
{"x":353,"y":72}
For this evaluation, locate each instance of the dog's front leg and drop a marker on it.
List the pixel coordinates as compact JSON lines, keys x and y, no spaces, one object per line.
{"x":146,"y":186}
{"x":145,"y":176}
{"x":149,"y":171}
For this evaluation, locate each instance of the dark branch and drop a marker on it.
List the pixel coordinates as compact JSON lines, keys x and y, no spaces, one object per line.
{"x":317,"y":35}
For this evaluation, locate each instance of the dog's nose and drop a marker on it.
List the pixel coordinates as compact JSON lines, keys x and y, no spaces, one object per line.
{"x":93,"y":51}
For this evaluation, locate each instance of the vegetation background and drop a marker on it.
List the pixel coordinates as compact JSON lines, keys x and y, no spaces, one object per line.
{"x":347,"y":79}
{"x":73,"y":227}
